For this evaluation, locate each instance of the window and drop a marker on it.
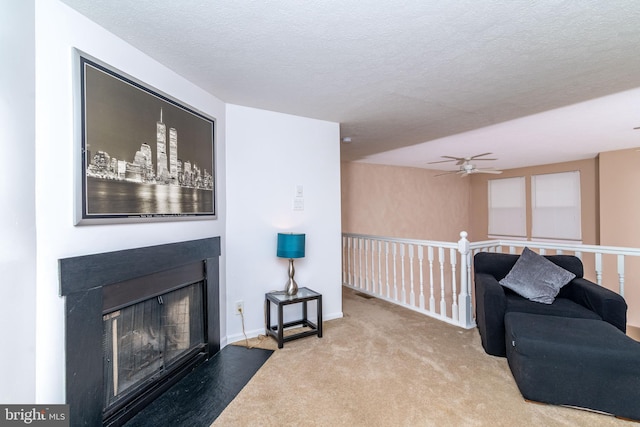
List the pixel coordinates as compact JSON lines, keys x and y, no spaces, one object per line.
{"x":555,"y":206}
{"x":507,"y":207}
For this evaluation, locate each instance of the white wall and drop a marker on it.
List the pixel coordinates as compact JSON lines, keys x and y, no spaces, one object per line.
{"x":271,"y":154}
{"x":17,"y":197}
{"x":58,"y":30}
{"x":268,"y":154}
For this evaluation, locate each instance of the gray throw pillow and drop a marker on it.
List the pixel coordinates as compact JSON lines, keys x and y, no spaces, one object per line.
{"x":536,"y":278}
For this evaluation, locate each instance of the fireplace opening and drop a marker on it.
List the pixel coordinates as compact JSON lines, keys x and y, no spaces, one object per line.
{"x":136,"y":322}
{"x":149,"y":340}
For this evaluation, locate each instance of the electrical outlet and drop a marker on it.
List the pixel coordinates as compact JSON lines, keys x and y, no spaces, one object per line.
{"x":239,"y":308}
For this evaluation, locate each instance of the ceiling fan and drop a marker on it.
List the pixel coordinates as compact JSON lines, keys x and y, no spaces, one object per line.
{"x":465,"y":165}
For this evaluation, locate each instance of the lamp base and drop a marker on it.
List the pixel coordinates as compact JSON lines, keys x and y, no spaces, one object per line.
{"x":291,"y":287}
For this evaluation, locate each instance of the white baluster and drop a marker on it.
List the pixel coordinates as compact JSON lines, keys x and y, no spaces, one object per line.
{"x":621,"y":274}
{"x":360,"y":263}
{"x":404,"y":291}
{"x":366,"y":264}
{"x":432,"y":298}
{"x":454,"y":287}
{"x":443,"y":303}
{"x":421,"y":259}
{"x":395,"y":273}
{"x":345,"y":260}
{"x":349,"y":260}
{"x":380,"y":266}
{"x":578,"y":255}
{"x":373,"y":266}
{"x":599,"y":268}
{"x":355,"y":254}
{"x":543,"y":251}
{"x":352,"y":256}
{"x":412,"y":294}
{"x":386,"y":266}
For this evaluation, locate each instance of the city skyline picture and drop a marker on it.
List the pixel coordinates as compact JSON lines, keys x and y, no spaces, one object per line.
{"x":145,"y":155}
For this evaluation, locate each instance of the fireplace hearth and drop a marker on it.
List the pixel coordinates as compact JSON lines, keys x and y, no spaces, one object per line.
{"x":137,"y":321}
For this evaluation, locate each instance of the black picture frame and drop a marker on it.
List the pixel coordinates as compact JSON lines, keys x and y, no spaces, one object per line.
{"x":144,"y":156}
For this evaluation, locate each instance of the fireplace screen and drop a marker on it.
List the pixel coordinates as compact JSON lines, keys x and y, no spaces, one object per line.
{"x":144,"y":341}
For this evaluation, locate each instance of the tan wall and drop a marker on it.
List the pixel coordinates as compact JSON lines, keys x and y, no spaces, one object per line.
{"x":588,"y":198}
{"x":412,"y":203}
{"x":620,"y":219}
{"x":588,"y":194}
{"x":620,"y":198}
{"x":403,"y":202}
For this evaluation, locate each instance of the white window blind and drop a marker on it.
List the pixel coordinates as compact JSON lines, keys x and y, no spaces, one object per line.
{"x":507,"y":207}
{"x":555,"y":203}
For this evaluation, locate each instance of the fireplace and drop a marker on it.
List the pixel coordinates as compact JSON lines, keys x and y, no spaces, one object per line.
{"x":136,"y":322}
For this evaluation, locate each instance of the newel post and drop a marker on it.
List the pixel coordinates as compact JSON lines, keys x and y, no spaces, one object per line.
{"x":464,"y":299}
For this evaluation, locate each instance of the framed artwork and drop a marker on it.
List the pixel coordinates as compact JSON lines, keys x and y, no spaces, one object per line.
{"x":144,"y":156}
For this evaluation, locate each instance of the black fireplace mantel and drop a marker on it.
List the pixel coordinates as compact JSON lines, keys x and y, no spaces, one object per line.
{"x":81,"y":281}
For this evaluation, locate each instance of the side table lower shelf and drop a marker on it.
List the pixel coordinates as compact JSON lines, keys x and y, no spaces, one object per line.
{"x":281,"y":299}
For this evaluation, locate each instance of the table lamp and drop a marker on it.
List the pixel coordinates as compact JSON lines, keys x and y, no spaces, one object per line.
{"x":291,"y":245}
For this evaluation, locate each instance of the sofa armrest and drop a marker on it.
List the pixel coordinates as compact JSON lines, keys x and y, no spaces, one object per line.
{"x":610,"y":306}
{"x":491,"y":305}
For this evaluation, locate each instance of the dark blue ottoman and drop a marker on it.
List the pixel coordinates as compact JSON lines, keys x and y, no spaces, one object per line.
{"x":577,"y":362}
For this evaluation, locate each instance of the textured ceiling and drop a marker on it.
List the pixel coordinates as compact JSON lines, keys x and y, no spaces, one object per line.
{"x":410,"y":73}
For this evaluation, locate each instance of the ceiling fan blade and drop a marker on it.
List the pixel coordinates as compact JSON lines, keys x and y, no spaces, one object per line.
{"x":479,"y":155}
{"x":464,"y":161}
{"x":487,"y":171}
{"x":441,"y":161}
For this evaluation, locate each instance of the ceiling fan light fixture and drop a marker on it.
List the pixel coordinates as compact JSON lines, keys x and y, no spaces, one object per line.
{"x":465,"y":167}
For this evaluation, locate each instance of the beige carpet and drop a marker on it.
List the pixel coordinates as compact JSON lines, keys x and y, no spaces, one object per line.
{"x":383,"y":365}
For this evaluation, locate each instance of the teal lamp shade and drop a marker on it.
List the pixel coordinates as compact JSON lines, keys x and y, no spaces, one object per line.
{"x":290,"y":245}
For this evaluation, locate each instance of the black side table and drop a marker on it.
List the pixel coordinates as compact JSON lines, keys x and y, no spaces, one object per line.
{"x":280,"y":299}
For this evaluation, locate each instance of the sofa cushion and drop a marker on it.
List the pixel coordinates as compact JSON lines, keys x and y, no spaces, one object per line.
{"x":536,"y":278}
{"x":561,"y":307}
